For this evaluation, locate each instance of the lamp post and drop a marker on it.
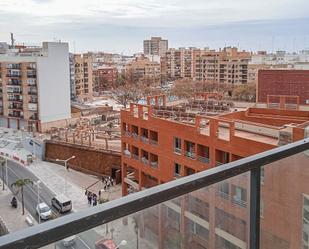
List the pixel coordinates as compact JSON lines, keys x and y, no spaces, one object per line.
{"x":122,"y":243}
{"x":66,"y":167}
{"x":39,"y":211}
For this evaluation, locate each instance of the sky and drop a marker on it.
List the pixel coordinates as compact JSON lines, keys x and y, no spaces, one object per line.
{"x":120,"y":26}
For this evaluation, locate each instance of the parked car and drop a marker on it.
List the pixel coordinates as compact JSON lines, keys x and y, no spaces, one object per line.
{"x":62,"y":203}
{"x":43,"y":211}
{"x":105,"y":244}
{"x":109,"y":244}
{"x":69,"y":241}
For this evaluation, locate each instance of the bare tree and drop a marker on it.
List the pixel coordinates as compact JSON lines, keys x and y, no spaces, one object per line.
{"x":245,"y":92}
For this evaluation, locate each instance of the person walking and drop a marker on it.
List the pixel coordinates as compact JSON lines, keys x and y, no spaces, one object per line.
{"x":89,"y":198}
{"x":94,"y":200}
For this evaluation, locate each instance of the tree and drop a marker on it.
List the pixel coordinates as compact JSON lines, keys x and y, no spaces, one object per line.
{"x":2,"y":163}
{"x":19,"y":184}
{"x":183,"y":88}
{"x":245,"y":92}
{"x":127,"y":93}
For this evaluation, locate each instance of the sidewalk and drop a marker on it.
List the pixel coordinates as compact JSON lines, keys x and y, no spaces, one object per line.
{"x":12,"y":217}
{"x":53,"y":175}
{"x":10,"y":143}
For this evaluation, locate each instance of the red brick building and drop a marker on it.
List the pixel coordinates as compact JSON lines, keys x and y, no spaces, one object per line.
{"x":105,"y":78}
{"x":283,"y":82}
{"x":161,"y":142}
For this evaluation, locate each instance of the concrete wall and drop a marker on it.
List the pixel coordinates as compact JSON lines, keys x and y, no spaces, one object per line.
{"x":54,"y":82}
{"x":35,"y":147}
{"x":89,"y":160}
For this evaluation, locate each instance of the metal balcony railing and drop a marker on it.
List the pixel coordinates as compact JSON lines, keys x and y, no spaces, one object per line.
{"x":144,"y":139}
{"x":203,"y":159}
{"x":134,"y":156}
{"x":133,"y":206}
{"x":135,"y":135}
{"x":127,"y":133}
{"x":153,"y":142}
{"x":190,"y":154}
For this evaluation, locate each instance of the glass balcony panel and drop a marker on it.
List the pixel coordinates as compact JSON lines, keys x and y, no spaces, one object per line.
{"x":285,"y":199}
{"x":201,"y":219}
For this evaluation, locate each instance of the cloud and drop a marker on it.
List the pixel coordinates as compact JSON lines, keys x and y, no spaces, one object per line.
{"x":121,"y":25}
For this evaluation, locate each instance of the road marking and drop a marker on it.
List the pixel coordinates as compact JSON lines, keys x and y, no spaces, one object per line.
{"x":85,"y":244}
{"x":32,"y":190}
{"x":25,"y":185}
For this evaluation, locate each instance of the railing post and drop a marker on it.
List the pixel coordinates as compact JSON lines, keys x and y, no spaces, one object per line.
{"x":255,"y":194}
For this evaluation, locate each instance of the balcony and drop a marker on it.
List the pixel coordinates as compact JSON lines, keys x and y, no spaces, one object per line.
{"x":145,"y":161}
{"x":33,"y":101}
{"x":15,"y":100}
{"x":16,"y":115}
{"x":153,"y":217}
{"x":127,"y":133}
{"x":153,"y":137}
{"x":13,"y":75}
{"x":32,"y":92}
{"x":134,"y":156}
{"x":13,"y":66}
{"x":14,"y":82}
{"x":15,"y":106}
{"x":135,"y":136}
{"x":127,"y":153}
{"x":190,"y":154}
{"x":203,"y":159}
{"x":34,"y":117}
{"x":145,"y":140}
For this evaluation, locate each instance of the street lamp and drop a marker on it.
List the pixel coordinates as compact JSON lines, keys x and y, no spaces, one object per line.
{"x":38,"y":182}
{"x":66,"y":167}
{"x":122,"y":243}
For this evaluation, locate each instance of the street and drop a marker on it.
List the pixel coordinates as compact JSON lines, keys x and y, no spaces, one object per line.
{"x":86,"y":240}
{"x":15,"y":172}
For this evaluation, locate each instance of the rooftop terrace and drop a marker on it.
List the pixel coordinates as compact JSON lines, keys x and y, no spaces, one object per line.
{"x":209,"y":114}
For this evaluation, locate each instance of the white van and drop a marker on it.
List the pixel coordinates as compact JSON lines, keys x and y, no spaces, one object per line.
{"x":62,"y":203}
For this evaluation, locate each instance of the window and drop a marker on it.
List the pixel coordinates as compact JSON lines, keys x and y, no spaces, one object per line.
{"x":190,"y":149}
{"x":239,"y":196}
{"x":177,"y":145}
{"x":198,"y":230}
{"x":177,"y":170}
{"x":223,"y":189}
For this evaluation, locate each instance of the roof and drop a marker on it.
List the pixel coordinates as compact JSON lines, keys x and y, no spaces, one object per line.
{"x":42,"y":205}
{"x":62,"y":198}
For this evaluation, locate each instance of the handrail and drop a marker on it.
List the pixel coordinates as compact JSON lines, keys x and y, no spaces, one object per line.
{"x":60,"y":228}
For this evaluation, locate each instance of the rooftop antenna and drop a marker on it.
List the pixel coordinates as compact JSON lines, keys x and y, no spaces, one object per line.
{"x":12,"y":40}
{"x":272,"y":44}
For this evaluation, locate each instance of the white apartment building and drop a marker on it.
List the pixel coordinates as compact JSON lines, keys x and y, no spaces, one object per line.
{"x":35,"y":86}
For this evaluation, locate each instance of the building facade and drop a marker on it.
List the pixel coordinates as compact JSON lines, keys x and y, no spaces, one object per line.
{"x":283,"y":82}
{"x":143,"y":70}
{"x":30,"y":79}
{"x":72,"y":78}
{"x":83,"y":76}
{"x":225,"y":66}
{"x":155,"y":46}
{"x":161,"y":142}
{"x":105,"y":78}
